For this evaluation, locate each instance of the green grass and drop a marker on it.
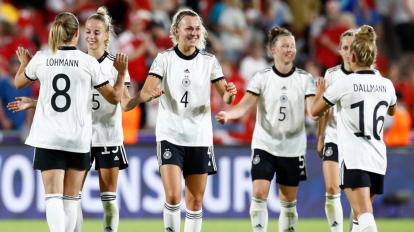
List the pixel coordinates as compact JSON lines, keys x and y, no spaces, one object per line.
{"x":210,"y":225}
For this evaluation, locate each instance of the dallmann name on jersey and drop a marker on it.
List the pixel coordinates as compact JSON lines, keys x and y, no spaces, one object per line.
{"x":61,"y":62}
{"x":369,"y":88}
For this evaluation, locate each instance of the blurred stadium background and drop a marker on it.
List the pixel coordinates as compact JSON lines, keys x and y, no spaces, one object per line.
{"x":237,"y":32}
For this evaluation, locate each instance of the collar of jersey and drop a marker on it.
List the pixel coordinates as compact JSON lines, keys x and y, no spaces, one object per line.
{"x":182,"y":56}
{"x":344,"y":70}
{"x":102,"y":58}
{"x":283,"y":74}
{"x":365,"y":72}
{"x":67,"y":48}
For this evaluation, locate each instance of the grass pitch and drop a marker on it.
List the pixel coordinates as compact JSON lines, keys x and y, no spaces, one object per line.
{"x":209,"y":225}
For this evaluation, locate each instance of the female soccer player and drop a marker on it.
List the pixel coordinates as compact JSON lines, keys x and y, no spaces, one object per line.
{"x":282,"y":93}
{"x":184,"y":130}
{"x":363,"y":99}
{"x":107,"y":136}
{"x":327,"y":140}
{"x":62,"y":127}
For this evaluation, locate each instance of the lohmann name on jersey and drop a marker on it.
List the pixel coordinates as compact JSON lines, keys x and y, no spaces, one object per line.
{"x":62,"y":62}
{"x":370,"y":88}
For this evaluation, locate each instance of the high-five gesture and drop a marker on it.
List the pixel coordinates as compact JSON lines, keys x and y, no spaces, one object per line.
{"x":23,"y":55}
{"x":21,"y":104}
{"x":121,"y":63}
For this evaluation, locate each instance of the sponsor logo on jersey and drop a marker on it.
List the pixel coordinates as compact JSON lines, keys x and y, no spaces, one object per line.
{"x":284,"y":88}
{"x":116,"y":158}
{"x":283,"y":98}
{"x":167,"y":154}
{"x":186,"y":82}
{"x":186,"y":70}
{"x":256,"y":159}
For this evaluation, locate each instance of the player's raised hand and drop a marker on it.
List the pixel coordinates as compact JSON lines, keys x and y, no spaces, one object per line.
{"x":156,"y":93}
{"x":320,"y":87}
{"x":20,"y":104}
{"x":231,"y":89}
{"x":221,"y":117}
{"x":23,"y":55}
{"x":121,"y":63}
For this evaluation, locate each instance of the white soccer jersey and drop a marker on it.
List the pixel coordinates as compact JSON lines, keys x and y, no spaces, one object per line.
{"x":184,"y":115}
{"x":63,"y":117}
{"x":362,"y":99}
{"x":280,"y":119}
{"x":106,"y":117}
{"x":331,"y":76}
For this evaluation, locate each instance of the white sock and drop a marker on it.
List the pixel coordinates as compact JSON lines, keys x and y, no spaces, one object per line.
{"x":367,"y":223}
{"x":79,"y":219}
{"x":172,"y":217}
{"x":352,"y":221}
{"x":193,"y":220}
{"x":111,"y":212}
{"x":333,"y":211}
{"x":70,"y":204}
{"x":288,"y":217}
{"x":258,"y":214}
{"x":55,"y":214}
{"x":355,"y":226}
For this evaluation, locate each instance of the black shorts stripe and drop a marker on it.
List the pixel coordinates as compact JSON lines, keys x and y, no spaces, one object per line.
{"x":309,"y":95}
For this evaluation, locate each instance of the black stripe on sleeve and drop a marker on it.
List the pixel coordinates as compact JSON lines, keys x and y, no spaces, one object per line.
{"x":327,"y":101}
{"x":127,"y":83}
{"x":218,"y":79}
{"x":28,"y":77}
{"x":251,"y":92}
{"x":100,"y":85}
{"x":155,"y":75}
{"x":309,"y":95}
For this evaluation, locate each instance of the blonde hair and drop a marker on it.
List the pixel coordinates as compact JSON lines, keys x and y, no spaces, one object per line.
{"x":349,"y":32}
{"x":103,"y":16}
{"x":62,"y":30}
{"x":176,"y":21}
{"x":275,"y":33}
{"x":364,"y":46}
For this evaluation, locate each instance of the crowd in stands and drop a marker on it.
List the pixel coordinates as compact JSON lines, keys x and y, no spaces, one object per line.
{"x":236,"y":36}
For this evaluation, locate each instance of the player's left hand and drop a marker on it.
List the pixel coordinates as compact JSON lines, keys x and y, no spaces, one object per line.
{"x":320,"y":87}
{"x":20,"y":104}
{"x":121,"y":63}
{"x":23,"y":55}
{"x":231,"y":88}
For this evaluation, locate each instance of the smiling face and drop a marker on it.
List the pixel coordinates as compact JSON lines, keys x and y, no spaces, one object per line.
{"x":95,"y":35}
{"x":284,"y":49}
{"x":345,"y":49}
{"x":188,"y":31}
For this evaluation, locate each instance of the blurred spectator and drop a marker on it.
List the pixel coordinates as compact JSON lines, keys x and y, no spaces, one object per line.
{"x":403,"y":20}
{"x":304,"y":12}
{"x":233,"y":28}
{"x":254,"y":61}
{"x":277,"y":13}
{"x":9,"y":120}
{"x":159,"y":36}
{"x":406,"y":86}
{"x":399,"y":132}
{"x":325,"y":35}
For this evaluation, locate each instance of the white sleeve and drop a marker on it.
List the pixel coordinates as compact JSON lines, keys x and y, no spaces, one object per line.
{"x":98,"y":78}
{"x":334,"y":92}
{"x":32,"y":66}
{"x":310,"y":88}
{"x":217,"y":72}
{"x":255,"y":85}
{"x":158,"y":67}
{"x":393,"y":95}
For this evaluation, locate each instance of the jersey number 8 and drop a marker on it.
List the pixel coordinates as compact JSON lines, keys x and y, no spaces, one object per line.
{"x":61,"y":92}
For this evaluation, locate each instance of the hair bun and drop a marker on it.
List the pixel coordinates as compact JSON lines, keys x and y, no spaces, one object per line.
{"x":366,"y":33}
{"x":102,"y":11}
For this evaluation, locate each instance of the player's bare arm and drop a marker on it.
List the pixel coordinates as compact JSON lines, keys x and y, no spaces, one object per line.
{"x":319,"y":105}
{"x":246,"y":103}
{"x":228,"y":91}
{"x":114,"y":94}
{"x":24,"y":56}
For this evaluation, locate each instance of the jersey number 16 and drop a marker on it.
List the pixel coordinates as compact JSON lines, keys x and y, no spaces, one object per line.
{"x":375,"y":120}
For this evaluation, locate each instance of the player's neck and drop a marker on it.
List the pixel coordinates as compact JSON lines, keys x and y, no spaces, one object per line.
{"x":96,"y":53}
{"x":283,"y":68}
{"x":358,"y":68}
{"x":186,"y":50}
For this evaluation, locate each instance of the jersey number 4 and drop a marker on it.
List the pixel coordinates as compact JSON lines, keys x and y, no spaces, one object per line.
{"x":376,"y":119}
{"x":61,"y":92}
{"x":184,"y":99}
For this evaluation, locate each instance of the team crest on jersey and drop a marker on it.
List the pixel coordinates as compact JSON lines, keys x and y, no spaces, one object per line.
{"x":283,"y":98}
{"x":256,"y":159}
{"x":328,"y":151}
{"x":167,"y":154}
{"x":186,"y":82}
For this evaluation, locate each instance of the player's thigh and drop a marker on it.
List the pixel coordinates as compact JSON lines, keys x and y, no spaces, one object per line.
{"x":108,"y":179}
{"x":288,"y":193}
{"x":261,"y":188}
{"x":73,"y":181}
{"x":53,"y":180}
{"x":171,"y":179}
{"x":331,"y":176}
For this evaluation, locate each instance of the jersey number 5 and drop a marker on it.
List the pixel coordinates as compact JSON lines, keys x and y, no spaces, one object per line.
{"x":376,"y":119}
{"x":61,"y":92}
